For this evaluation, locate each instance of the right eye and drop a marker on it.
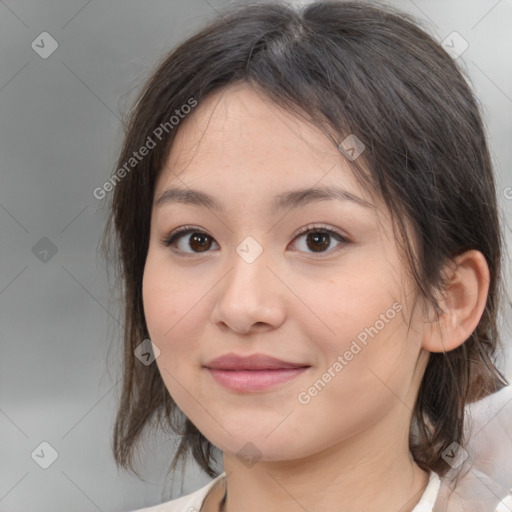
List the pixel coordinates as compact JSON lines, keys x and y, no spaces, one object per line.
{"x":199,"y":242}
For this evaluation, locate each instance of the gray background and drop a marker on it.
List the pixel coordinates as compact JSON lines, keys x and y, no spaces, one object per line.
{"x":60,"y":132}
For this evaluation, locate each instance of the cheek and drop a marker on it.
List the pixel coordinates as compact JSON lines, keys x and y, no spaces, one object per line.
{"x":176,"y":313}
{"x":360,"y":382}
{"x":365,"y":341}
{"x":159,"y":307}
{"x":357,"y":306}
{"x":172,"y":325}
{"x":168,"y":301}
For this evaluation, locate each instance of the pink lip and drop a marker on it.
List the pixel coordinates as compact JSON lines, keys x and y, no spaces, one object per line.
{"x":254,"y":380}
{"x":252,"y":373}
{"x":233,"y":361}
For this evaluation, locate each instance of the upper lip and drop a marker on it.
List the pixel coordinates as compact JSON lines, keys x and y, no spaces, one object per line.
{"x":253,"y":362}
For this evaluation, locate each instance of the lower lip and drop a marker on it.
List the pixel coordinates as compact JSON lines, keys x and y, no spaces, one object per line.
{"x":254,"y":380}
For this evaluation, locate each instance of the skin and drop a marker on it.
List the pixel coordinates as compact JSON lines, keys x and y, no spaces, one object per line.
{"x":347,"y":449}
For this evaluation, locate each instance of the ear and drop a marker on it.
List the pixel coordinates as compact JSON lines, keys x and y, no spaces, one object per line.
{"x":462,"y":301}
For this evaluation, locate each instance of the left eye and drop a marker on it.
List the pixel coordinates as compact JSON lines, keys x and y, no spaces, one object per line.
{"x":318,"y":240}
{"x":198,"y":242}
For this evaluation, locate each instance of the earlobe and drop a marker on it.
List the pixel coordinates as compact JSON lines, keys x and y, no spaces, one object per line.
{"x":463,"y":303}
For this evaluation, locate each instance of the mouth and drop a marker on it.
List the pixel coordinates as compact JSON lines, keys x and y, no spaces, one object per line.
{"x":256,"y":372}
{"x":254,"y":380}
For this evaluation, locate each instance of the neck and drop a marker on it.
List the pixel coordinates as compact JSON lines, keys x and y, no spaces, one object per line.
{"x":365,"y":473}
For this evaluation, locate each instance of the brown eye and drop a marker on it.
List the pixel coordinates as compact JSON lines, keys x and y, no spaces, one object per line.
{"x":197,"y":242}
{"x":318,"y":240}
{"x":200,"y":242}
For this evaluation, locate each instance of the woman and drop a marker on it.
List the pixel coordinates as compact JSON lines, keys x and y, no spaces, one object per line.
{"x":307,"y":232}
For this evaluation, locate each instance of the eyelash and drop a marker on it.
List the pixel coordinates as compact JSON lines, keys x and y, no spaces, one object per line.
{"x":184,"y":230}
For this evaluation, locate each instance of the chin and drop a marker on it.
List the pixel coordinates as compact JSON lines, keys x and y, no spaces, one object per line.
{"x":259,"y":447}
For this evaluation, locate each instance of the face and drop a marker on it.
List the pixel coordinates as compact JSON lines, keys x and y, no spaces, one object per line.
{"x":318,"y":282}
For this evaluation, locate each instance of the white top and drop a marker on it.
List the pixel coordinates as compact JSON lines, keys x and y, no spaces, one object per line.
{"x":193,"y":502}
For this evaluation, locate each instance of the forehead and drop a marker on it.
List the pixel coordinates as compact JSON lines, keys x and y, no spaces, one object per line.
{"x":238,"y":114}
{"x":239,"y":135}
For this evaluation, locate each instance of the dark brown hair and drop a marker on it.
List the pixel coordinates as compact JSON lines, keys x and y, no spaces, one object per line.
{"x":350,"y":68}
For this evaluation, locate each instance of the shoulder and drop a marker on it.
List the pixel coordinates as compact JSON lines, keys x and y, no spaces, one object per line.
{"x":188,"y":503}
{"x":473,"y":490}
{"x":429,"y":496}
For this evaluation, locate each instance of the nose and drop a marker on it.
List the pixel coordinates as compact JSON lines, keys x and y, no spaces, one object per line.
{"x":250,"y":297}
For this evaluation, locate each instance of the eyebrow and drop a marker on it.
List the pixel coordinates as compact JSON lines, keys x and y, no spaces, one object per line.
{"x":285,"y":200}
